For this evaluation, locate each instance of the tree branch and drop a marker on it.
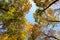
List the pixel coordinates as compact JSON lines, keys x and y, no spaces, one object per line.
{"x":41,"y":11}
{"x":50,"y":36}
{"x":3,"y":9}
{"x":51,"y":20}
{"x":51,"y":4}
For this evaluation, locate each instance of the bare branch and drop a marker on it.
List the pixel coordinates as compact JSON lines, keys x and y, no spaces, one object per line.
{"x":50,"y":36}
{"x":51,"y":4}
{"x":51,"y":20}
{"x":48,"y":6}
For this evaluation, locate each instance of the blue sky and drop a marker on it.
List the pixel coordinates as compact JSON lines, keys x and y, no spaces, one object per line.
{"x":29,"y":16}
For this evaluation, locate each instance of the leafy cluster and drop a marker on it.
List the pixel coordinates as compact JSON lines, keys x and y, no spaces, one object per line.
{"x":13,"y":18}
{"x":44,"y":17}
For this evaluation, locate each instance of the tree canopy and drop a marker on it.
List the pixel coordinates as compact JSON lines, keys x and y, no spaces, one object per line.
{"x":12,"y":18}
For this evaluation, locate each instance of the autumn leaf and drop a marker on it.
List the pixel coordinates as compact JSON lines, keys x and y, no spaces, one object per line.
{"x":50,"y":13}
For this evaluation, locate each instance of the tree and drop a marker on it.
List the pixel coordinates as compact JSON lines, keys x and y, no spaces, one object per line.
{"x":44,"y":17}
{"x":13,"y":18}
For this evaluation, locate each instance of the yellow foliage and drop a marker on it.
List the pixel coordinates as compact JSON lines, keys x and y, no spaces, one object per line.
{"x":23,"y":36}
{"x":27,"y":7}
{"x":28,"y":26}
{"x":59,"y":32}
{"x":4,"y":37}
{"x":12,"y":9}
{"x":50,"y":13}
{"x":42,"y":20}
{"x":24,"y":19}
{"x":12,"y":37}
{"x":26,"y":31}
{"x":15,"y":17}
